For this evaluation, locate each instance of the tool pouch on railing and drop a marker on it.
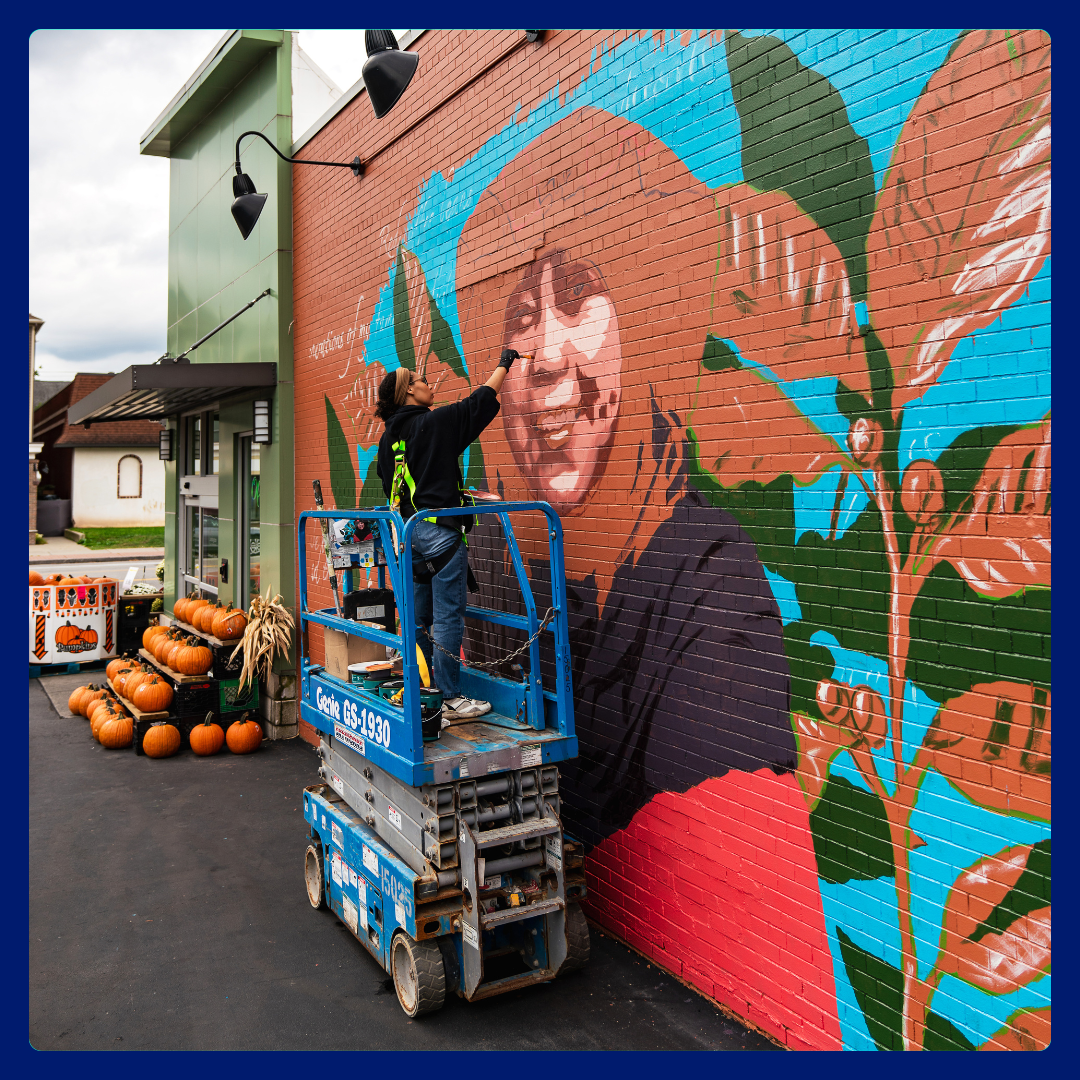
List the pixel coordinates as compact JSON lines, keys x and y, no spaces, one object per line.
{"x":425,"y":569}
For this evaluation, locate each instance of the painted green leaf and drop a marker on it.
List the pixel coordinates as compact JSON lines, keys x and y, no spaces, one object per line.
{"x":372,"y":494}
{"x":942,"y":1035}
{"x":879,"y":990}
{"x":851,"y":834}
{"x":766,"y":512}
{"x":475,"y":477}
{"x":719,"y":355}
{"x":342,"y":474}
{"x":442,"y":342}
{"x":1031,"y":892}
{"x":808,"y":664}
{"x":959,"y":638}
{"x":403,"y":341}
{"x":796,"y":138}
{"x":842,"y":585}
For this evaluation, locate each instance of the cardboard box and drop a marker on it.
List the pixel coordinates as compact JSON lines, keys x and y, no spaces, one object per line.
{"x":344,"y":649}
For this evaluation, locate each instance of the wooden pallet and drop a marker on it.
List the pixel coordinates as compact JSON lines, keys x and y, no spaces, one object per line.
{"x":175,"y":676}
{"x":136,"y":712}
{"x":189,"y":629}
{"x":69,"y":667}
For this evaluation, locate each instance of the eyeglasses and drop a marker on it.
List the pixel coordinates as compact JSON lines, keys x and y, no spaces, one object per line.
{"x":418,"y":378}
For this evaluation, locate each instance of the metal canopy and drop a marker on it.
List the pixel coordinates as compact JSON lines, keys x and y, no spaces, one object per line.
{"x":156,"y":391}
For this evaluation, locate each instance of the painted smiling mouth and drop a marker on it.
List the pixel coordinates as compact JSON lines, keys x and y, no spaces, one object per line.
{"x":556,"y":427}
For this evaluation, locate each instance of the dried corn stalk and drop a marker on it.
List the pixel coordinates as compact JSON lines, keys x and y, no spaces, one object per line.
{"x":268,"y":632}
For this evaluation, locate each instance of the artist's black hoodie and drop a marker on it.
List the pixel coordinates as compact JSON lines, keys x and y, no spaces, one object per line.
{"x":434,"y":440}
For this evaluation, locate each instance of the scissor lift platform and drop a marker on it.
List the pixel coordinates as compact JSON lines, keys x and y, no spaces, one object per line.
{"x":446,"y":859}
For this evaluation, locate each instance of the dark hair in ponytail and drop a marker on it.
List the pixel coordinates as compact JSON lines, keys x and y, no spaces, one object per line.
{"x":392,"y":392}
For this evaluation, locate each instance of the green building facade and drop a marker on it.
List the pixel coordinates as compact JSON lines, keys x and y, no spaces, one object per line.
{"x":230,"y":529}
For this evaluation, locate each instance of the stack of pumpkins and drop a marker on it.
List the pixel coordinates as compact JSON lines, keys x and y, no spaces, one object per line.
{"x":60,"y":579}
{"x":178,"y":650}
{"x":221,"y":621}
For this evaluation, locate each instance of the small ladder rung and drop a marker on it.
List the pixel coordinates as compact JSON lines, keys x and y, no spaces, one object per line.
{"x":524,"y":830}
{"x":526,"y":911}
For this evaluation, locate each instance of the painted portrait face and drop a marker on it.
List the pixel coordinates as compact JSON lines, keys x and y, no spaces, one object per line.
{"x":560,"y":406}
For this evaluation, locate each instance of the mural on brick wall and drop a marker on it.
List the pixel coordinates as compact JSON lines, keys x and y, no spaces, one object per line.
{"x":789,"y":391}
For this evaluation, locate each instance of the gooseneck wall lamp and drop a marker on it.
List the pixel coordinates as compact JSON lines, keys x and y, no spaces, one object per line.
{"x":387,"y":72}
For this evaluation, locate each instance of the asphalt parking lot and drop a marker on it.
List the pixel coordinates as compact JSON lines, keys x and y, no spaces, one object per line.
{"x":168,"y":912}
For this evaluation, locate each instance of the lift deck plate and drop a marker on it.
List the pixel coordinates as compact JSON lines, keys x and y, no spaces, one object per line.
{"x":375,"y":729}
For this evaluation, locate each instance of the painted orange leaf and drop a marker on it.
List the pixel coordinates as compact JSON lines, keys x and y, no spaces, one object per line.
{"x":997,"y":962}
{"x":993,"y":744}
{"x":1002,"y":963}
{"x":963,"y":219}
{"x":1027,"y":1029}
{"x":748,"y":429}
{"x":818,"y":744}
{"x":1000,"y":540}
{"x":781,"y":290}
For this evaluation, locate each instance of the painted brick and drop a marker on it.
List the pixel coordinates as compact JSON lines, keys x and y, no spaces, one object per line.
{"x":713,"y":871}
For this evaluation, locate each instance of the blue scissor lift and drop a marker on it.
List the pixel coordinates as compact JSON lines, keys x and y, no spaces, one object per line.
{"x":446,"y":859}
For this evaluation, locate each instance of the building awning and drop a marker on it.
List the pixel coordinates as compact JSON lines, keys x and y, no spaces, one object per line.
{"x":156,"y":391}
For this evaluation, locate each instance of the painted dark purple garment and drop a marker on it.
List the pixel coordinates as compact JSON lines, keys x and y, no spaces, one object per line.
{"x":680,"y":678}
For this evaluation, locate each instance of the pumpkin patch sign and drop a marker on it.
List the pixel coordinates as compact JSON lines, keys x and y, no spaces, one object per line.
{"x":72,"y":620}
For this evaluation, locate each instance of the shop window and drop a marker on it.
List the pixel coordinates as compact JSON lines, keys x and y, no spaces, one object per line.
{"x":129,"y":477}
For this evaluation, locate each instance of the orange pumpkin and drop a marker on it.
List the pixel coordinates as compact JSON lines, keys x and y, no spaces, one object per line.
{"x":97,"y":693}
{"x":117,"y":732}
{"x":152,"y":632}
{"x":192,"y":608}
{"x":155,"y":694}
{"x":229,"y":624}
{"x":53,"y":579}
{"x":207,"y":738}
{"x":132,"y":679}
{"x":206,"y":612}
{"x":75,"y":700}
{"x":36,"y":578}
{"x":71,"y":581}
{"x":178,"y":607}
{"x":161,"y":740}
{"x":170,"y":653}
{"x":86,"y":579}
{"x":192,"y":658}
{"x":245,"y":736}
{"x":113,"y":666}
{"x":163,"y":643}
{"x":99,"y":716}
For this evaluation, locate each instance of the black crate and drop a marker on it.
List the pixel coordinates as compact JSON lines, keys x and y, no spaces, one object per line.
{"x":195,"y":699}
{"x":224,"y":668}
{"x":133,"y":616}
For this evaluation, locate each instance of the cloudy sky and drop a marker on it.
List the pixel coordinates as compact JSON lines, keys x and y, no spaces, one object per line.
{"x":99,"y":210}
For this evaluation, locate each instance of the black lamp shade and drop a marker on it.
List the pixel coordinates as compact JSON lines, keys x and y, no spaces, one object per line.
{"x":387,"y":70}
{"x":248,"y":204}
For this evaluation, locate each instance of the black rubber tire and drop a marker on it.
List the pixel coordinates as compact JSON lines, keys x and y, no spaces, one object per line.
{"x":314,"y":875}
{"x":577,"y":939}
{"x":418,"y":974}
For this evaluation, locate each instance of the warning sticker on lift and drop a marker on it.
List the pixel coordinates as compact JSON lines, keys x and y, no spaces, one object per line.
{"x":336,"y":834}
{"x":335,"y":868}
{"x":348,"y":910}
{"x":531,"y":755}
{"x":349,"y":738}
{"x":468,"y":933}
{"x":399,"y":914}
{"x":394,"y":816}
{"x":553,"y":847}
{"x":371,"y":861}
{"x":337,"y":784}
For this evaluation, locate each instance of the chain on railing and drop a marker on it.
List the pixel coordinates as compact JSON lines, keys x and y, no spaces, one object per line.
{"x":500,"y":660}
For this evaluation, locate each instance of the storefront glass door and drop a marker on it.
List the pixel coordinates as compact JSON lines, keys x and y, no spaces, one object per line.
{"x":249,"y":538}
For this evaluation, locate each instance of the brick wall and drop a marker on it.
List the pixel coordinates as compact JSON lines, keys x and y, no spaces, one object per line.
{"x":787,"y":303}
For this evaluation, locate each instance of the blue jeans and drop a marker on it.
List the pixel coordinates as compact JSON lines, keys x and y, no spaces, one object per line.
{"x":440,"y":605}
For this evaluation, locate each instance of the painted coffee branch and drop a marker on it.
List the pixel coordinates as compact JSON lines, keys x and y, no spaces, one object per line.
{"x":773,"y":398}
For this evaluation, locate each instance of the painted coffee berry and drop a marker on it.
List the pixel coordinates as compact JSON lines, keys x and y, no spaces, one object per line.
{"x":865,"y":439}
{"x":921,"y":493}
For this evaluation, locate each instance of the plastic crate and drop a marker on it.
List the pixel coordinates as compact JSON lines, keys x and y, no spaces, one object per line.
{"x":223,"y":666}
{"x":133,"y":616}
{"x":232,"y":699}
{"x":195,"y":699}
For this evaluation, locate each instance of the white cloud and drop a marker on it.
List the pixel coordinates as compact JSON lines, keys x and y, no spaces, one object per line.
{"x":99,"y":212}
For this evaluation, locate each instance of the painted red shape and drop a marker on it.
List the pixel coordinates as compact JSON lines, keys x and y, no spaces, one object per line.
{"x":719,"y":885}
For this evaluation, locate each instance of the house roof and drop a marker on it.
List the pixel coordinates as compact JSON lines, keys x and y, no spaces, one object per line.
{"x":51,"y":420}
{"x":46,"y":391}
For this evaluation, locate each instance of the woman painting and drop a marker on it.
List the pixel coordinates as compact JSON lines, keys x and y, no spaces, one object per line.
{"x":595,"y":253}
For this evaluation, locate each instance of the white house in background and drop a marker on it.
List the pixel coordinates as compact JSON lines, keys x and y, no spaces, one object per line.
{"x":111,"y":472}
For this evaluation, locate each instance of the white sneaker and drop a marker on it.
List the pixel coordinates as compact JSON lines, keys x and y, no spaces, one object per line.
{"x":463,"y":708}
